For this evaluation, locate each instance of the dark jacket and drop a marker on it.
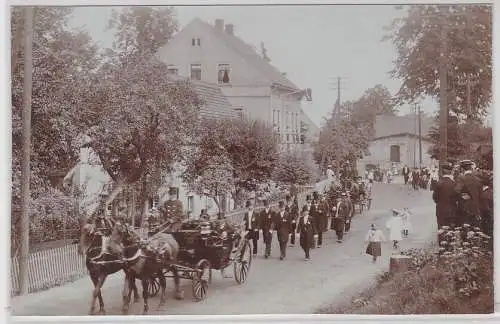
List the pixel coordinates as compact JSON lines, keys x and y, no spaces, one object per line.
{"x":471,"y":185}
{"x":319,"y":214}
{"x":255,"y":223}
{"x":446,"y":198}
{"x":282,"y":225}
{"x":266,"y":219}
{"x":307,"y":231}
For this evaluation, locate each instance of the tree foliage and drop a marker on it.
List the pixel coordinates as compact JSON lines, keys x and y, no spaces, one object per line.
{"x":418,"y":39}
{"x":293,"y":168}
{"x":245,"y":145}
{"x":464,"y":139}
{"x":142,"y":30}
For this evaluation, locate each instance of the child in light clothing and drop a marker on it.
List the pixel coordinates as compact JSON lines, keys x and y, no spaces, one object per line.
{"x":374,"y":238}
{"x":406,"y":219}
{"x":395,"y":227}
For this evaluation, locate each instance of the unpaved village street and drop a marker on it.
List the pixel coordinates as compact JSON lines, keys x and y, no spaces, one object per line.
{"x":274,"y":286}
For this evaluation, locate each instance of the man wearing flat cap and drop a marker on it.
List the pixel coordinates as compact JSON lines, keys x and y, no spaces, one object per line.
{"x":172,"y":209}
{"x":283,"y":225}
{"x":266,"y":218}
{"x":446,"y":198}
{"x":468,"y":187}
{"x":251,"y":225}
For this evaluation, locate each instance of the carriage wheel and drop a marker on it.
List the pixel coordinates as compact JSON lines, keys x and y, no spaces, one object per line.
{"x":202,"y":275}
{"x":242,"y":263}
{"x":153,"y":287}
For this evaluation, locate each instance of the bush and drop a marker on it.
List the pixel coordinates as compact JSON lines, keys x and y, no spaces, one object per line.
{"x":456,"y":278}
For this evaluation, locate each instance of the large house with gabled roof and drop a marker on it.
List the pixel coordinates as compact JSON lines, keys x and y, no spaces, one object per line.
{"x":255,"y":88}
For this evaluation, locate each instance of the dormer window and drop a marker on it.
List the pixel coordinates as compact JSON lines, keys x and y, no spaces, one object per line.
{"x":195,"y":41}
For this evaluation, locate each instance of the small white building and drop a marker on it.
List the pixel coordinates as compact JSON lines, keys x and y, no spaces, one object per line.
{"x":396,"y":143}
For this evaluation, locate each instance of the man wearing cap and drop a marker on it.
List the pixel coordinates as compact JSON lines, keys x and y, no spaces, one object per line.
{"x":350,"y":211}
{"x":446,"y":198}
{"x":469,"y":187}
{"x":266,"y":218}
{"x":172,"y":209}
{"x":292,"y":210}
{"x":406,"y":173}
{"x":306,"y":229}
{"x":251,"y":225}
{"x":339,"y":217}
{"x":282,"y":224}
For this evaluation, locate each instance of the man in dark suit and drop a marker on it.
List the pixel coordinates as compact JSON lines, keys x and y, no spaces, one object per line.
{"x":282,"y":224}
{"x":446,"y":198}
{"x":340,"y":213}
{"x":415,"y":179}
{"x":469,"y":187}
{"x":406,"y":173}
{"x":350,"y":212}
{"x":172,"y":208}
{"x":306,"y":230}
{"x":486,"y":203}
{"x":292,"y":209}
{"x":251,"y":225}
{"x":266,"y":218}
{"x":318,"y":213}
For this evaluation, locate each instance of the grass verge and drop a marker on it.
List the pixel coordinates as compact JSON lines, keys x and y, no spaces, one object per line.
{"x":456,"y":278}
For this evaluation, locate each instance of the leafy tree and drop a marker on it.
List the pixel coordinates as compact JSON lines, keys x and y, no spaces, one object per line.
{"x":374,"y":101}
{"x":138,"y":120}
{"x":62,"y":60}
{"x":247,"y":144}
{"x":417,"y":38}
{"x":142,"y":30}
{"x":293,"y":169}
{"x":464,"y":139}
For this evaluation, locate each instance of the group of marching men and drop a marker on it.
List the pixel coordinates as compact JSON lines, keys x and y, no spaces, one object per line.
{"x":308,"y":223}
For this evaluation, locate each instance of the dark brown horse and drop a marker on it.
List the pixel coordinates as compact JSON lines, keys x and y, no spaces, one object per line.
{"x":146,"y":261}
{"x":95,"y":242}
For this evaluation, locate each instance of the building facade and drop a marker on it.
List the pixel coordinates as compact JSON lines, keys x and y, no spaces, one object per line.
{"x":397,"y":143}
{"x":255,"y":89}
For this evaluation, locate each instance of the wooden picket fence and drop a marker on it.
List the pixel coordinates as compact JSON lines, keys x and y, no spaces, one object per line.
{"x":53,"y":267}
{"x":49,"y":268}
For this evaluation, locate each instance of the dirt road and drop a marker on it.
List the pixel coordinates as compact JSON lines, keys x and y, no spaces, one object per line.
{"x":274,"y":286}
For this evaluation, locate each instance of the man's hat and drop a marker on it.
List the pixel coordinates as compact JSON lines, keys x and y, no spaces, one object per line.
{"x":304,"y":209}
{"x":447,"y":167}
{"x":344,"y":194}
{"x":172,"y":191}
{"x":265,"y":202}
{"x":281,"y":204}
{"x":395,"y":211}
{"x":248,"y":203}
{"x":466,"y":164}
{"x":288,"y":198}
{"x":308,"y":197}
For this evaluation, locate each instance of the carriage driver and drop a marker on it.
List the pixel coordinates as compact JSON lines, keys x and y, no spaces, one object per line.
{"x":172,"y":209}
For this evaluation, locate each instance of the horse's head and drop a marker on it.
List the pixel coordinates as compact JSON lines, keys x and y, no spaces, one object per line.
{"x":124,"y":233}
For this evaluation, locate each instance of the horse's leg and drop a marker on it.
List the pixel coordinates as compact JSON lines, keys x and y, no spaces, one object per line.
{"x":95,"y":281}
{"x":163,"y":285}
{"x":136,"y":292}
{"x":178,"y":293}
{"x":127,"y":284}
{"x":145,"y":284}
{"x":102,"y":278}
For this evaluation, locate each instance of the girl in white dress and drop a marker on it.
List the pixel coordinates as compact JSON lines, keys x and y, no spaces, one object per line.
{"x":395,"y":227}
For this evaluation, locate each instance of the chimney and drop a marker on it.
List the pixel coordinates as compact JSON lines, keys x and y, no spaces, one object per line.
{"x":219,"y":25}
{"x":230,"y":29}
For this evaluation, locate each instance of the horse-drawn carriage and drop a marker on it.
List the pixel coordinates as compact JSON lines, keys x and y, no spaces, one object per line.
{"x":206,"y":246}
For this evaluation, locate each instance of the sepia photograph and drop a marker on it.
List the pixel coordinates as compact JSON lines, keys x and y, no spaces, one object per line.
{"x":251,"y":159}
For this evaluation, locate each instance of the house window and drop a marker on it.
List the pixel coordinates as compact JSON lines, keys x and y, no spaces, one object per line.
{"x":395,"y":153}
{"x":190,"y":205}
{"x":172,"y":70}
{"x":288,"y":138}
{"x":196,"y":72}
{"x":195,"y":41}
{"x":223,"y":75}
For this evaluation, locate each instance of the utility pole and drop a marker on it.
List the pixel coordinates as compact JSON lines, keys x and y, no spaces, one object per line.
{"x":420,"y":134}
{"x":414,"y":111}
{"x":443,"y":91}
{"x":25,"y":181}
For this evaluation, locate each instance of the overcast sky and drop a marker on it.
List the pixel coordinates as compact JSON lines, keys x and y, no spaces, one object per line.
{"x":312,"y":44}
